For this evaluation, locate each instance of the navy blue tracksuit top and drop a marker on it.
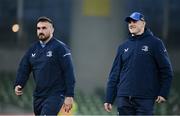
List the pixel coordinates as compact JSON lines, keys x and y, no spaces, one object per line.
{"x":141,"y":69}
{"x":52,"y":69}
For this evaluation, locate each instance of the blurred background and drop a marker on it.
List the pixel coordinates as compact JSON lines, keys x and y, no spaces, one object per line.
{"x":93,"y":29}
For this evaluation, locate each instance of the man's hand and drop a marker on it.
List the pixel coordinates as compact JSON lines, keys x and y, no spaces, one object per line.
{"x":68,"y":104}
{"x":108,"y":107}
{"x":160,"y":99}
{"x":18,"y":90}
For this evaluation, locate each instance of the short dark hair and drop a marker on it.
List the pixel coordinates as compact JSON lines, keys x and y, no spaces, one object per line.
{"x":44,"y":19}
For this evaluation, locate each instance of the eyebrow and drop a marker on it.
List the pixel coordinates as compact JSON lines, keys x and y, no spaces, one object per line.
{"x":43,"y":27}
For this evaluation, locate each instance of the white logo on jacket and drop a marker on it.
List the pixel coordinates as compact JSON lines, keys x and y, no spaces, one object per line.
{"x":145,"y":48}
{"x":67,"y":54}
{"x":125,"y":50}
{"x":49,"y":54}
{"x":33,"y":55}
{"x":165,"y":50}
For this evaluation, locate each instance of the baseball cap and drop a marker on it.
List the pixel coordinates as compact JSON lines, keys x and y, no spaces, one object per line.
{"x":135,"y":16}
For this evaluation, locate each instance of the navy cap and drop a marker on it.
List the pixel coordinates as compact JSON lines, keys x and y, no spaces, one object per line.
{"x":135,"y":16}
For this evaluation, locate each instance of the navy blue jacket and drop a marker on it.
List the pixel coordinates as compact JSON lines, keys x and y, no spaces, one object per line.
{"x":52,"y":69}
{"x":141,"y":69}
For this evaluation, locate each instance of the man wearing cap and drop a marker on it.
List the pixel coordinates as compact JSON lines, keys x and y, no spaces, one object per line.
{"x":50,"y":62}
{"x":141,"y":73}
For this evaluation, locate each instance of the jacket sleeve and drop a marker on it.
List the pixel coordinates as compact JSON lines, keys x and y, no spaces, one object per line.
{"x":23,"y":71}
{"x":164,"y":69}
{"x":68,"y":72}
{"x":111,"y":90}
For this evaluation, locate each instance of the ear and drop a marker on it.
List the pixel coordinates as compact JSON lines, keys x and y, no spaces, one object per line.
{"x":144,"y":23}
{"x":52,"y":29}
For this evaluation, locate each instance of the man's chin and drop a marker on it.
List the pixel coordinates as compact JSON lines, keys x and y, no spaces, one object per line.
{"x":133,"y":32}
{"x":42,"y":39}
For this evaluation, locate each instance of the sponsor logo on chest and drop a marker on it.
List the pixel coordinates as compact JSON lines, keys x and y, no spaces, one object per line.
{"x":33,"y":55}
{"x":48,"y":54}
{"x":144,"y":48}
{"x":126,"y":50}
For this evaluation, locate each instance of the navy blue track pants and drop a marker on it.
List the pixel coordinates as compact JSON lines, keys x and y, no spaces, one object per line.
{"x":135,"y":106}
{"x":48,"y":106}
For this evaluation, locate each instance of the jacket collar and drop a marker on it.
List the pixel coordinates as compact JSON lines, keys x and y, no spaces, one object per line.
{"x":44,"y":44}
{"x":147,"y":32}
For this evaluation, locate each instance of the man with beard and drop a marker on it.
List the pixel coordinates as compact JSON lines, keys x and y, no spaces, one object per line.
{"x":141,"y":73}
{"x":51,"y":64}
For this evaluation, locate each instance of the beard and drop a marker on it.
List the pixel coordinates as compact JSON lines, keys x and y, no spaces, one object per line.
{"x":43,"y":37}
